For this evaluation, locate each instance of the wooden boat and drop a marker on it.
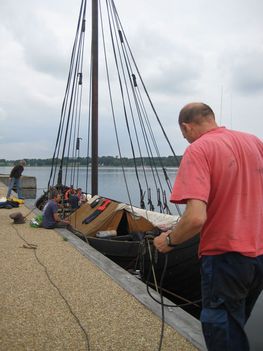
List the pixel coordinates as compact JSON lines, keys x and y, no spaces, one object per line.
{"x":131,"y":246}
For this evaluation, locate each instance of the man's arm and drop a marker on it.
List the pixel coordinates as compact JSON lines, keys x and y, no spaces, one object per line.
{"x":190,"y":224}
{"x":58,"y":219}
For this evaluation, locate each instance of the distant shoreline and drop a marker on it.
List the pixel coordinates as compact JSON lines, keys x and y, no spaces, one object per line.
{"x":104,"y":161}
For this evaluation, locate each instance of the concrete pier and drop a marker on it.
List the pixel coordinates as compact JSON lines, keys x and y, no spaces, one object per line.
{"x":58,"y":293}
{"x":28,"y":185}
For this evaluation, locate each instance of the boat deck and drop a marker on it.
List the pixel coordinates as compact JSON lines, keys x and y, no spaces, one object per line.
{"x":57,"y":293}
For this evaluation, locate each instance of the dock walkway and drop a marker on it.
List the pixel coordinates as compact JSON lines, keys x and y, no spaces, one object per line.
{"x":56,"y":294}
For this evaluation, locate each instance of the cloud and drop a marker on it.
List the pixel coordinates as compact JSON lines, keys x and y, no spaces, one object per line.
{"x":242,"y":69}
{"x":3,"y":115}
{"x":169,"y":67}
{"x":185,"y":51}
{"x":40,"y":34}
{"x":247,"y":71}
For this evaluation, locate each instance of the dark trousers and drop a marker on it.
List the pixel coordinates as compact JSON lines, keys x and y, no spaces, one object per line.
{"x":57,"y":225}
{"x":231,"y":284}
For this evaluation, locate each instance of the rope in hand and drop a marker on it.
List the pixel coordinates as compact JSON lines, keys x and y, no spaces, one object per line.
{"x":160,"y":291}
{"x":28,"y":245}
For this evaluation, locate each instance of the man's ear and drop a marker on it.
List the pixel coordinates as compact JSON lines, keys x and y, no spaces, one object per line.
{"x":185,"y":127}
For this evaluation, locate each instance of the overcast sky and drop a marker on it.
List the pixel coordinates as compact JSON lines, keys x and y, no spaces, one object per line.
{"x":191,"y":50}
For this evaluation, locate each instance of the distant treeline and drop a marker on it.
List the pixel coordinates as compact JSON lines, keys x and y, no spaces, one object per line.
{"x":107,"y":161}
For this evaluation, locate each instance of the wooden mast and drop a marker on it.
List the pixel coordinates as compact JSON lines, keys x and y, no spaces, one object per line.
{"x":94,"y":97}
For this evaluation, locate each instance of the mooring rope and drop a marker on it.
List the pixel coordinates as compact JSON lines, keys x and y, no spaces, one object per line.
{"x":34,"y":248}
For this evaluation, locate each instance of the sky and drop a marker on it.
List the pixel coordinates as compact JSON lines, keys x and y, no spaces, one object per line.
{"x":191,"y":50}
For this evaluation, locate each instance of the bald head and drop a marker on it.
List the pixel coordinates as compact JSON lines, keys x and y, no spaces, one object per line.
{"x":195,"y":112}
{"x":195,"y":119}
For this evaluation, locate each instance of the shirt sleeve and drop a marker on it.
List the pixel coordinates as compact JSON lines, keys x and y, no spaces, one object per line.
{"x":54,"y":208}
{"x":14,"y":172}
{"x":193,"y":177}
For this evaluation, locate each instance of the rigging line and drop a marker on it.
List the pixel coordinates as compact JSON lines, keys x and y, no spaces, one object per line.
{"x":76,"y":138}
{"x":129,"y":70}
{"x":160,"y":292}
{"x":89,"y":122}
{"x":129,"y":101}
{"x":186,"y":303}
{"x":149,"y":126}
{"x":74,"y":96}
{"x":70,"y":112}
{"x":58,"y":141}
{"x":89,"y":132}
{"x":139,"y":106}
{"x":162,"y":303}
{"x":80,"y":105}
{"x":72,"y":131}
{"x":132,"y":82}
{"x":144,"y":112}
{"x":152,"y":266}
{"x":146,"y":140}
{"x":158,"y":152}
{"x":34,"y":247}
{"x":128,"y":97}
{"x":148,"y":149}
{"x":165,"y":204}
{"x":143,"y":109}
{"x":146,"y":92}
{"x":132,"y":86}
{"x":150,"y":153}
{"x":71,"y":81}
{"x":146,"y":145}
{"x":78,"y":108}
{"x":75,"y":141}
{"x":111,"y":102}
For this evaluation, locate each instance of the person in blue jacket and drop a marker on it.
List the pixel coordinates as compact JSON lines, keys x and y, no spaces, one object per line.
{"x":15,"y":179}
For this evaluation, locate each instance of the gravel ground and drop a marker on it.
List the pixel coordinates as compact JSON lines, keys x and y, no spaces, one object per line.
{"x":53,"y":298}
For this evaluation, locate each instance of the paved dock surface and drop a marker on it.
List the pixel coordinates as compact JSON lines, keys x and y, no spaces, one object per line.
{"x":54,"y":298}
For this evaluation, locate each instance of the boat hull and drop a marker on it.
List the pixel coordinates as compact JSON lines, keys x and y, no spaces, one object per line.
{"x":122,"y":251}
{"x":182,"y":274}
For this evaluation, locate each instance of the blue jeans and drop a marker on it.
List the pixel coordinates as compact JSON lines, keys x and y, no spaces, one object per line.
{"x":14,"y":182}
{"x":231,"y":284}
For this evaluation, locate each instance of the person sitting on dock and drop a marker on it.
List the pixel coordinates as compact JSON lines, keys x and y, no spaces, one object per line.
{"x":220,"y":181}
{"x":14,"y":179}
{"x":51,"y":218}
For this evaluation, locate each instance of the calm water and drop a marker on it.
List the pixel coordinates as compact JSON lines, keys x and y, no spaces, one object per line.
{"x":112,"y":185}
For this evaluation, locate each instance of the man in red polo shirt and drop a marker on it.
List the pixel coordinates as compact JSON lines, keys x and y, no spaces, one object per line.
{"x":220,"y":180}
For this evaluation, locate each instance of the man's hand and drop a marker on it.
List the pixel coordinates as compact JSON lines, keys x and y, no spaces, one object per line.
{"x":160,"y":242}
{"x":190,"y":224}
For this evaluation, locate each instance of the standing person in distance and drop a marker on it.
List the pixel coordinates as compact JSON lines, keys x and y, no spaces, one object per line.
{"x":15,"y":179}
{"x":220,"y":180}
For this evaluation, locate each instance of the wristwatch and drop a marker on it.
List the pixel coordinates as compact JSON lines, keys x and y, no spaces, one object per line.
{"x":169,"y":242}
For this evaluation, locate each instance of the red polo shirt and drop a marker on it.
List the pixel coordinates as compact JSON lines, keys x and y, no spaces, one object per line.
{"x":224,"y":168}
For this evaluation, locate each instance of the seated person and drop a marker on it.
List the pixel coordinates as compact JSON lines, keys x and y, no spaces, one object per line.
{"x":73,"y":200}
{"x":51,"y":218}
{"x":70,"y":191}
{"x":79,"y":193}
